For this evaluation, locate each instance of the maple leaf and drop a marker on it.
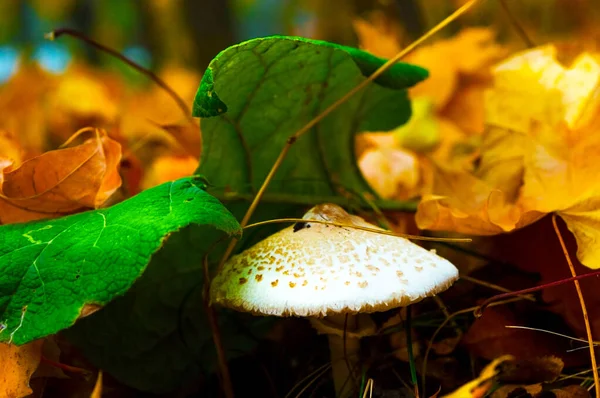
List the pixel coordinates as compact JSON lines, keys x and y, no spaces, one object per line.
{"x":542,"y":153}
{"x":62,"y":181}
{"x":16,"y":367}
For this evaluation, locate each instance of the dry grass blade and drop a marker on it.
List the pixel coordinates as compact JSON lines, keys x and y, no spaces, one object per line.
{"x":516,"y":25}
{"x":586,"y":319}
{"x":374,"y":230}
{"x":55,"y":34}
{"x":368,"y":389}
{"x":549,"y":332}
{"x":311,"y":378}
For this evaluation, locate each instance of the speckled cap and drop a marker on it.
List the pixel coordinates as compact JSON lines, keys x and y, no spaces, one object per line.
{"x":312,"y":269}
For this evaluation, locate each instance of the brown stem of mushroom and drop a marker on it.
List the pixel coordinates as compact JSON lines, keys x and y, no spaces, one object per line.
{"x":303,"y":130}
{"x":343,"y":333}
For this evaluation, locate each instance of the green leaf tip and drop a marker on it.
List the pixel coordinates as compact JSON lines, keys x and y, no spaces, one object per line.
{"x":50,"y":269}
{"x":208,"y":104}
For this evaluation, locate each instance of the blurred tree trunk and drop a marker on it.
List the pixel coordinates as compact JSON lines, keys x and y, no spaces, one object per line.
{"x":211,"y":26}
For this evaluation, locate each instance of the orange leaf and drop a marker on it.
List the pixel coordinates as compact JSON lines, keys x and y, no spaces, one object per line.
{"x":16,"y":367}
{"x":169,"y":168}
{"x":62,"y":181}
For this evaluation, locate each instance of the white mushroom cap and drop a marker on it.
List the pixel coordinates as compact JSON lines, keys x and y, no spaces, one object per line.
{"x":313,"y":269}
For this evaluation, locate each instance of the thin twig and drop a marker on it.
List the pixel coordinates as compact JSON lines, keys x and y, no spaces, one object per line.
{"x":488,"y":302}
{"x":588,"y":328}
{"x":55,"y":34}
{"x":227,"y":384}
{"x":516,"y":25}
{"x":294,"y":137}
{"x":492,"y":286}
{"x":374,"y":230}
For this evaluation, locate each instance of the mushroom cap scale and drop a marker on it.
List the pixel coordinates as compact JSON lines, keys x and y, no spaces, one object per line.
{"x":313,"y":269}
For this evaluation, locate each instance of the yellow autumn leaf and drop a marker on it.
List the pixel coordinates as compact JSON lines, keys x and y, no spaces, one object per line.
{"x":479,"y":387}
{"x":97,"y":392}
{"x":541,"y":157}
{"x":378,"y":35}
{"x":17,"y":364}
{"x":469,"y":54}
{"x":422,"y":132}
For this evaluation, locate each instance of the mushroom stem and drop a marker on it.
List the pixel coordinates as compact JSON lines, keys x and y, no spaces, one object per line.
{"x":344,"y":357}
{"x":343,"y":362}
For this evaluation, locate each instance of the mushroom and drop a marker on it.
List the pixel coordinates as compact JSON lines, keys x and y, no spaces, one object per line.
{"x":339,"y":274}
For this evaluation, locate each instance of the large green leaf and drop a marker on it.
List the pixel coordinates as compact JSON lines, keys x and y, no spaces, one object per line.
{"x":254,"y":95}
{"x":156,"y":338}
{"x":50,"y":270}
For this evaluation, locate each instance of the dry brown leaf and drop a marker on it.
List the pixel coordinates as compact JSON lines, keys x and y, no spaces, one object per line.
{"x":17,"y":364}
{"x":62,"y":181}
{"x":10,"y":149}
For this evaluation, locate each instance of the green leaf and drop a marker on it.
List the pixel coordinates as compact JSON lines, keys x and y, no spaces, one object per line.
{"x":156,"y":338}
{"x":52,"y":269}
{"x":254,"y":95}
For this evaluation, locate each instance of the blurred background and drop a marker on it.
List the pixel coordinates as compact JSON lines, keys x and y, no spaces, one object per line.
{"x":190,"y":32}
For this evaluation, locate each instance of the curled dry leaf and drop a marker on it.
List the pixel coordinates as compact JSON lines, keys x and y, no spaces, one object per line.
{"x":543,"y":120}
{"x":62,"y":181}
{"x":17,"y":364}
